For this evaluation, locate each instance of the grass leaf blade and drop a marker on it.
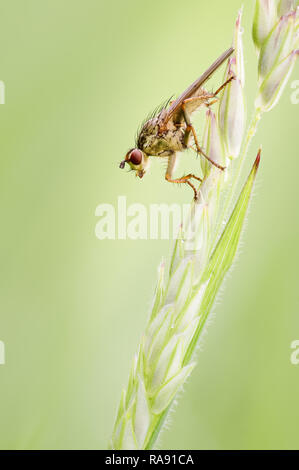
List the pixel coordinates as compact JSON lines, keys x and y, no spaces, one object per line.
{"x":223,"y":255}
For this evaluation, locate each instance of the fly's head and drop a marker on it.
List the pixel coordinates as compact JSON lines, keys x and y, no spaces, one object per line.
{"x":137,"y":161}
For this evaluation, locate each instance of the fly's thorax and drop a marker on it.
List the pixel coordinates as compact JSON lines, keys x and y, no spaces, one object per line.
{"x":174,"y":137}
{"x":154,"y":143}
{"x":147,"y":134}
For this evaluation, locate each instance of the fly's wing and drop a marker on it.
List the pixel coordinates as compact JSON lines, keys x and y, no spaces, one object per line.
{"x":176,"y":105}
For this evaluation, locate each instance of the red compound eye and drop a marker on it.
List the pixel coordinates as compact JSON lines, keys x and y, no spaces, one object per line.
{"x":136,"y":157}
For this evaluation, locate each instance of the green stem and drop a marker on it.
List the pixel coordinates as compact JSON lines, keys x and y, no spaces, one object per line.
{"x":159,"y":420}
{"x":238,"y":172}
{"x":250,"y":134}
{"x":155,"y":429}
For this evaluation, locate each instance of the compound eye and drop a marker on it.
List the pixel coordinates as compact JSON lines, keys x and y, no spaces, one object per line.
{"x":136,"y":157}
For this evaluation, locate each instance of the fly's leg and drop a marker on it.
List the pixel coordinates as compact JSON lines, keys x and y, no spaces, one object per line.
{"x":186,"y":180}
{"x":224,"y":85}
{"x":210,"y":103}
{"x":204,"y":99}
{"x":190,"y":129}
{"x":187,"y":136}
{"x":183,"y":179}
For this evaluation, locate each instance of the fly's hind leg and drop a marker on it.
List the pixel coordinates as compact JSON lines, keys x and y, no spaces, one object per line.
{"x":232,"y":77}
{"x":205,"y":99}
{"x":216,"y":93}
{"x":184,"y":179}
{"x":190,"y":129}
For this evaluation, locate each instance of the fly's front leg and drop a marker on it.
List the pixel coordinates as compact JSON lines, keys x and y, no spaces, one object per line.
{"x":190,"y":129}
{"x":183,"y":179}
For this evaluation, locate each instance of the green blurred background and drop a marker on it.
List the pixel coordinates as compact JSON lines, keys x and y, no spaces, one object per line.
{"x":80,"y":76}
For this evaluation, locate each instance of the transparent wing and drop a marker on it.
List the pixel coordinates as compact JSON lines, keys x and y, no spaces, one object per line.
{"x":176,"y":105}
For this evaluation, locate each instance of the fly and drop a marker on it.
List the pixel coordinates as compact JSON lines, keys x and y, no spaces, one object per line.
{"x":170,"y":129}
